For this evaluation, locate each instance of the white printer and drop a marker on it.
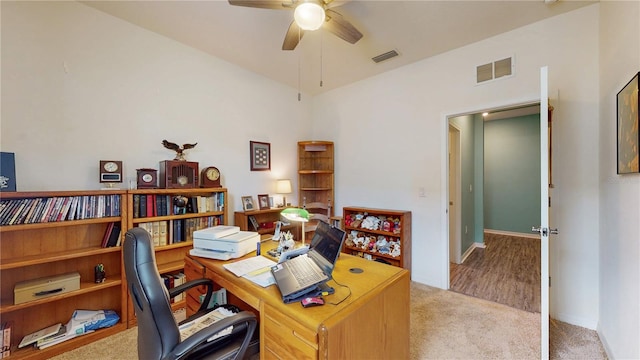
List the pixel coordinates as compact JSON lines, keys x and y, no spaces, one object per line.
{"x":223,"y":242}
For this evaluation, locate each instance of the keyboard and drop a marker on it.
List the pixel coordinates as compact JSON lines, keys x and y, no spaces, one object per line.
{"x":305,"y":270}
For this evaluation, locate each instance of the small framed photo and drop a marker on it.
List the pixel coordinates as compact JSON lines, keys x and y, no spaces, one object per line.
{"x":271,"y":203}
{"x":260,"y":154}
{"x":247,"y":203}
{"x":263,"y":201}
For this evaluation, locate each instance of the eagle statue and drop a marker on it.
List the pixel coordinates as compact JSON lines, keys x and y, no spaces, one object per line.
{"x":179,"y":150}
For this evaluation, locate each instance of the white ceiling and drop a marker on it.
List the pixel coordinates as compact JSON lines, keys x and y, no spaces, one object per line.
{"x":252,"y":37}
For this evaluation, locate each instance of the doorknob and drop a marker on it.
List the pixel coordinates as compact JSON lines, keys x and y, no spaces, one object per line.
{"x":543,"y":231}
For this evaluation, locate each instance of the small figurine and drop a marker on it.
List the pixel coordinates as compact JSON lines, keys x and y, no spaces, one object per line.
{"x":179,"y":150}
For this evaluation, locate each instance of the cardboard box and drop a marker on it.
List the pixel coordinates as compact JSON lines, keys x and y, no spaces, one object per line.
{"x":35,"y":289}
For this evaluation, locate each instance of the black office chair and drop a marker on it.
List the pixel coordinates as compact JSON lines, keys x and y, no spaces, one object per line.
{"x":158,"y":333}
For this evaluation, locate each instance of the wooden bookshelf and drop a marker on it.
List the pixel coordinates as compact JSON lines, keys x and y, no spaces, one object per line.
{"x":33,"y":248}
{"x":171,"y":249}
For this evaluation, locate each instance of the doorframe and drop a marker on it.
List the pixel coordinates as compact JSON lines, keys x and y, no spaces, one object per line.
{"x":444,"y":164}
{"x":457,"y":154}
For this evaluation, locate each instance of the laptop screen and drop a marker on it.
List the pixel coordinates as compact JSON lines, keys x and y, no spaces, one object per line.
{"x":327,"y":241}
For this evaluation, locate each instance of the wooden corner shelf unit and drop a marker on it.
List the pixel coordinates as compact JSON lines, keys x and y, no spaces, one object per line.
{"x":54,"y":233}
{"x":316,"y":179}
{"x":375,"y":233}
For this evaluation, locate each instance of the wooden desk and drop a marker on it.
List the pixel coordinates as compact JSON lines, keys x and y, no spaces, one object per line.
{"x":372,"y":323}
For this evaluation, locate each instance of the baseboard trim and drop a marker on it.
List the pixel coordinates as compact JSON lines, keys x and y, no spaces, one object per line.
{"x":512,"y":233}
{"x":470,"y":250}
{"x":605,"y":344}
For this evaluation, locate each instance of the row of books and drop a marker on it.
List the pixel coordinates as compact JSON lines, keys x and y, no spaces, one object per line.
{"x":5,"y":340}
{"x":52,"y":209}
{"x":112,"y":236}
{"x":173,"y":280}
{"x":149,"y":205}
{"x":178,"y":230}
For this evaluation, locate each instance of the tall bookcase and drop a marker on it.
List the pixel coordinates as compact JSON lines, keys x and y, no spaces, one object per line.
{"x":378,"y":234}
{"x":204,"y":207}
{"x":316,"y":178}
{"x":55,"y":237}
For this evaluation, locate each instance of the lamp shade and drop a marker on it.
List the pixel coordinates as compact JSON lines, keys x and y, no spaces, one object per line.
{"x":295,"y":214}
{"x":309,"y":15}
{"x":283,"y":186}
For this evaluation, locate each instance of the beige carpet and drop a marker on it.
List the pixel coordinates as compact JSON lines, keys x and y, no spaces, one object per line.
{"x":444,"y":325}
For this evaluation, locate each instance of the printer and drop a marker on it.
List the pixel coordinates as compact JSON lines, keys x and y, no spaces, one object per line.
{"x":223,"y":242}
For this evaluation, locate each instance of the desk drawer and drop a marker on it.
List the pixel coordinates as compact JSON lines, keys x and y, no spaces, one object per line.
{"x":284,"y":338}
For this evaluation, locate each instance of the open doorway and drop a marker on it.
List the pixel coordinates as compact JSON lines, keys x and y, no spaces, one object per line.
{"x":498,"y":202}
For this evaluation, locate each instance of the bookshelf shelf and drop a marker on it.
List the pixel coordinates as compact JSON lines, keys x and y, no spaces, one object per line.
{"x":57,"y":224}
{"x":54,"y":257}
{"x":85,"y":288}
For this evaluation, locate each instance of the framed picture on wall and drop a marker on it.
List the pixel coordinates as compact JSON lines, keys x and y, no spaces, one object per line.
{"x":260,"y":153}
{"x":628,"y":136}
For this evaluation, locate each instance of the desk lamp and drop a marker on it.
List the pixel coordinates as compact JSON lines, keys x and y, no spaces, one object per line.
{"x":296,"y":214}
{"x":283,"y":186}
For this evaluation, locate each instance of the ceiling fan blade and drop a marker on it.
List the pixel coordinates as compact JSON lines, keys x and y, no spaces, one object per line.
{"x":263,"y":4}
{"x":293,"y":36}
{"x":334,"y":3}
{"x":341,"y":28}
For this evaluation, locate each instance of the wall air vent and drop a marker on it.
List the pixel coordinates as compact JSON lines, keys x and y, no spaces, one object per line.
{"x":494,"y":70}
{"x":386,"y":56}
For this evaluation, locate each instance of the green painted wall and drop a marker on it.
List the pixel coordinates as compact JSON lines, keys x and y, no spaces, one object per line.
{"x":512,"y":174}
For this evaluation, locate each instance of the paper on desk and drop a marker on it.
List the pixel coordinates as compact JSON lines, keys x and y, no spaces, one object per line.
{"x":262,"y":278}
{"x":244,"y":267}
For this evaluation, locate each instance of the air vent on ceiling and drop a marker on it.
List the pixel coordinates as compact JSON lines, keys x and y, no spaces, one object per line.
{"x":494,"y":70}
{"x":386,"y":56}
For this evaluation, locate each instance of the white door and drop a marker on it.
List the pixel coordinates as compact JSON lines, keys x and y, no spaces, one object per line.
{"x":543,"y":227}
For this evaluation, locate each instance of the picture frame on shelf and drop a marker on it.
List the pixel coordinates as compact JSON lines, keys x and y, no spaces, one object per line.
{"x":271,"y":203}
{"x":247,"y":203}
{"x":628,"y":119}
{"x":260,"y":155}
{"x":263,"y":201}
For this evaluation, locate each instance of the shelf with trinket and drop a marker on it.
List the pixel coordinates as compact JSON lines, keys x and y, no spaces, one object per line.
{"x":378,"y":234}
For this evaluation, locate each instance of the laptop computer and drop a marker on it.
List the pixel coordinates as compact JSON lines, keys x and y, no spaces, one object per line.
{"x":302,"y":274}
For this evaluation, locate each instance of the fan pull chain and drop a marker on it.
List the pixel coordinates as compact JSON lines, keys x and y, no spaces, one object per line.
{"x":321,"y":57}
{"x":299,"y":94}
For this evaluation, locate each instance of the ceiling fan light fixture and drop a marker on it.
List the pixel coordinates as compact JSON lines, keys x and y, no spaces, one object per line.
{"x":309,"y":15}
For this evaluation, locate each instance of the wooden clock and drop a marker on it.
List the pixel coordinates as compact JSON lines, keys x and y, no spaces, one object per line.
{"x":110,"y":171}
{"x":147,"y":178}
{"x":176,"y":174}
{"x":210,"y":177}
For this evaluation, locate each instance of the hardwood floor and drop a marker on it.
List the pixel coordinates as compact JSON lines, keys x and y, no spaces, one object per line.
{"x":506,"y":271}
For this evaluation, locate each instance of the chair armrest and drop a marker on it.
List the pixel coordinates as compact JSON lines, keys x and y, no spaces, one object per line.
{"x":192,"y":342}
{"x":193,"y":283}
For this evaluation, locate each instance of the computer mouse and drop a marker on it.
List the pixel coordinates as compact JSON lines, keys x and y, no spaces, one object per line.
{"x":312,"y":301}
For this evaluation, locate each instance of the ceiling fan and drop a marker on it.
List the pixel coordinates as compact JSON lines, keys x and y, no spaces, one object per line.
{"x":309,"y":15}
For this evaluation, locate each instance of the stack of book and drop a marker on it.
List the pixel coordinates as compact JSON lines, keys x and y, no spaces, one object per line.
{"x":5,"y":340}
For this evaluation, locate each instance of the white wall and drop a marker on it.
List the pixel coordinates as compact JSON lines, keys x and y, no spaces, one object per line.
{"x":619,"y":325}
{"x":390,"y":132}
{"x":79,"y":86}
